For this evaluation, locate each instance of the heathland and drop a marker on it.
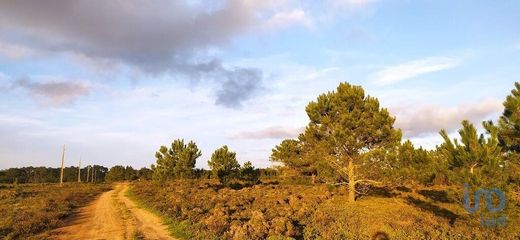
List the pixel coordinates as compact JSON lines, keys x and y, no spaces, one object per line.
{"x":348,"y":175}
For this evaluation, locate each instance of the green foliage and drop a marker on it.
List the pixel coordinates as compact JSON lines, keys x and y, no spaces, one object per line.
{"x":508,"y":133}
{"x":144,"y":174}
{"x":176,"y":162}
{"x":249,"y":174}
{"x":349,"y":123}
{"x":289,"y":152}
{"x":48,"y":175}
{"x":346,"y":128}
{"x":120,"y":173}
{"x":224,"y":164}
{"x":509,"y":123}
{"x":408,"y":165}
{"x":116,"y":173}
{"x":476,"y":159}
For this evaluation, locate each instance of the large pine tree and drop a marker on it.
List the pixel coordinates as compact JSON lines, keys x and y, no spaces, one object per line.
{"x":476,"y":158}
{"x":509,"y":123}
{"x":345,"y":126}
{"x":508,"y":131}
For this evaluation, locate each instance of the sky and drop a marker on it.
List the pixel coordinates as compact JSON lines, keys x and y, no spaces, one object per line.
{"x":114,"y":80}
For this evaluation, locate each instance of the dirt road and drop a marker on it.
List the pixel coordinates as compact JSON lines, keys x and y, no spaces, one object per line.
{"x":113,"y":216}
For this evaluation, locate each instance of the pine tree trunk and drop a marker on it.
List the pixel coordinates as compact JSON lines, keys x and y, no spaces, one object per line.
{"x":351,"y":183}
{"x":472,"y":168}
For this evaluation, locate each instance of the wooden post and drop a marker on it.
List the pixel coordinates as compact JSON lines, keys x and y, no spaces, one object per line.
{"x":79,"y":170}
{"x":62,"y":162}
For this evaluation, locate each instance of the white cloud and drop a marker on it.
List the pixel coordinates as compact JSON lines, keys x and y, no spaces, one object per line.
{"x":285,"y":19}
{"x":276,"y":132}
{"x":403,"y":71}
{"x":351,"y":4}
{"x":13,"y":51}
{"x":423,"y":120}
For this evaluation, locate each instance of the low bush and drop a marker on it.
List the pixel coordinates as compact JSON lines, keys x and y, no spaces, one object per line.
{"x":278,"y":211}
{"x":28,"y":209}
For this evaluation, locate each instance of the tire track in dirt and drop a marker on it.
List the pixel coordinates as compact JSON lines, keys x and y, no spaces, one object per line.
{"x":112,"y":216}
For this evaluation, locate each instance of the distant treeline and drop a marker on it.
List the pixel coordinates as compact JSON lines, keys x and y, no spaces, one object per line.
{"x":96,"y":172}
{"x":52,"y":175}
{"x":128,"y":173}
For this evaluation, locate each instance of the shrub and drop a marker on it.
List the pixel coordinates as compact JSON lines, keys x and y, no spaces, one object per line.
{"x":28,"y":209}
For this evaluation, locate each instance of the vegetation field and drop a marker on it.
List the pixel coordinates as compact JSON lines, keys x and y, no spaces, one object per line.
{"x":348,"y":175}
{"x":204,"y":209}
{"x":28,"y":209}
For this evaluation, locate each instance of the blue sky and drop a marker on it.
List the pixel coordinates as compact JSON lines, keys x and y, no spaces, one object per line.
{"x":115,"y":80}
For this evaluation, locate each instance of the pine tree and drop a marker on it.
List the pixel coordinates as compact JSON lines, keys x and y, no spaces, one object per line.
{"x":345,"y":127}
{"x":509,"y":123}
{"x":224,"y":164}
{"x":476,"y":157}
{"x":508,"y":131}
{"x":290,"y":153}
{"x":408,"y":164}
{"x":249,"y":174}
{"x":116,"y":173}
{"x":176,"y":162}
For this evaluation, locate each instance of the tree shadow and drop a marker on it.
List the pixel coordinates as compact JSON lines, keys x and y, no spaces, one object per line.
{"x":380,"y":192}
{"x":437,"y":211}
{"x":237,"y":186}
{"x":217,"y":187}
{"x":436,"y":195}
{"x":403,"y":189}
{"x":232,"y":185}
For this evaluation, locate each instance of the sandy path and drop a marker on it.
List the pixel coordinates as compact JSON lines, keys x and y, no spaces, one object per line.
{"x":146,"y":223}
{"x":113,"y":216}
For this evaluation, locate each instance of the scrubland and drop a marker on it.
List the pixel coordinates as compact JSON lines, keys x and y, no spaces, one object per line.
{"x":29,"y":209}
{"x":203,"y":209}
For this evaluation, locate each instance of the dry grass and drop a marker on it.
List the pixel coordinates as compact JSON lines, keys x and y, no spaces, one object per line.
{"x":204,"y":210}
{"x":29,"y":209}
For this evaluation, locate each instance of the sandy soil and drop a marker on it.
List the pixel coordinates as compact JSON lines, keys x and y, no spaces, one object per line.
{"x":113,"y":216}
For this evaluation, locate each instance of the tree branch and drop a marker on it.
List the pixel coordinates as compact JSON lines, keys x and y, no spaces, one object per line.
{"x":367,"y":180}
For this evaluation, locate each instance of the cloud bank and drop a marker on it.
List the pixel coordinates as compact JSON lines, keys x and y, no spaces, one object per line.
{"x":418,"y":121}
{"x":276,"y":132}
{"x":53,"y":92}
{"x":154,"y":36}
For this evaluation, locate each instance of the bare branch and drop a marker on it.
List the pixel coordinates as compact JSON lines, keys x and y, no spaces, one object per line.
{"x":367,"y":180}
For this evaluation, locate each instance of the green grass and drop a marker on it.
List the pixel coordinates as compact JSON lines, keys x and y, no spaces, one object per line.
{"x":177,"y":229}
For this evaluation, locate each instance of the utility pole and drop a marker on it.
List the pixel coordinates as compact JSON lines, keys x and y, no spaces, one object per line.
{"x":88,"y":173}
{"x":62,"y":162}
{"x":93,"y":172}
{"x":79,"y":170}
